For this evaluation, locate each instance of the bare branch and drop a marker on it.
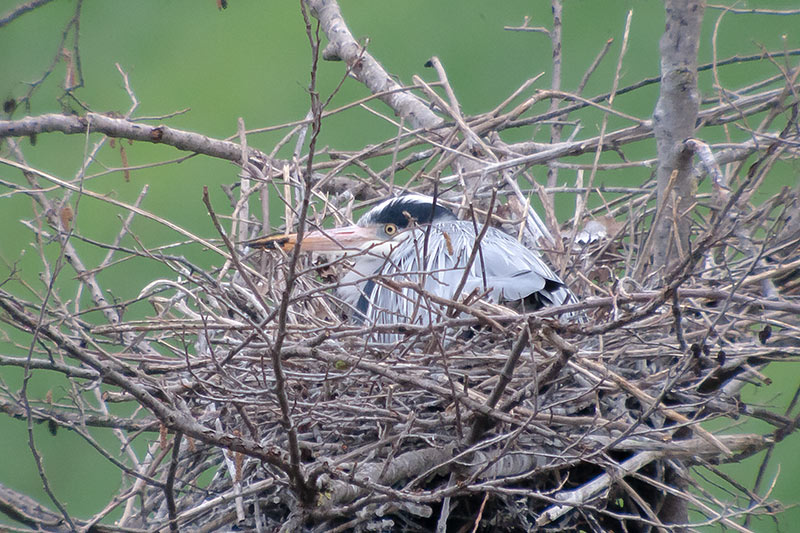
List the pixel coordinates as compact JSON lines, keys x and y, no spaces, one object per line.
{"x":674,"y":122}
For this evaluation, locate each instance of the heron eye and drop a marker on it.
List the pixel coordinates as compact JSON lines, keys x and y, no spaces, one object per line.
{"x":390,"y":229}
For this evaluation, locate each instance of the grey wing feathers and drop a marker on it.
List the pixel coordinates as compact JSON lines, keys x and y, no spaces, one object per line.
{"x":504,"y":270}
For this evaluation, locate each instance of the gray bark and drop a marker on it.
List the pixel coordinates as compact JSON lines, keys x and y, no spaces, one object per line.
{"x":674,"y":122}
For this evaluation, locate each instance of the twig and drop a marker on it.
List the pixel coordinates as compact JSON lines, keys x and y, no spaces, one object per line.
{"x":169,"y":484}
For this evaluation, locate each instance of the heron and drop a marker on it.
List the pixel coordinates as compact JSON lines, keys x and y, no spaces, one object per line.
{"x":410,"y":246}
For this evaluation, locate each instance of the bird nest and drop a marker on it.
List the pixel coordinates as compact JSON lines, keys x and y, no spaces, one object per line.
{"x":264,"y":408}
{"x":485,"y":419}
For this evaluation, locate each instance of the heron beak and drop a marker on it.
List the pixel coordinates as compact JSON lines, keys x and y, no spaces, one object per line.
{"x":348,"y":238}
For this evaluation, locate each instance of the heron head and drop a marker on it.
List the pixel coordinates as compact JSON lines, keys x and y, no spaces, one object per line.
{"x":378,"y":231}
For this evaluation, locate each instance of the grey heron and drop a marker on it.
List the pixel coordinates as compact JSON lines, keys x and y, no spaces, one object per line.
{"x":413,"y":242}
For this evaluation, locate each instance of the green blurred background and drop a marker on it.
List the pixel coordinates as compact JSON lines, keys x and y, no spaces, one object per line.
{"x":252,"y":61}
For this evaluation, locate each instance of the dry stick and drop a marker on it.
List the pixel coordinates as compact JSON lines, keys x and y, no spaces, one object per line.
{"x":577,"y":497}
{"x":129,"y":168}
{"x":418,"y":383}
{"x":593,"y":67}
{"x":342,"y":45}
{"x":36,"y":331}
{"x":755,"y":257}
{"x":395,"y":154}
{"x":542,"y":154}
{"x":71,"y":124}
{"x":642,"y":503}
{"x":81,"y":179}
{"x":604,"y":124}
{"x":533,"y":222}
{"x":368,"y":71}
{"x":643,"y":83}
{"x":519,"y":90}
{"x":76,"y":423}
{"x":490,"y":123}
{"x":723,"y":95}
{"x":479,"y":516}
{"x":92,"y":523}
{"x":112,"y":201}
{"x":754,"y":11}
{"x":243,"y":271}
{"x":169,"y":484}
{"x":21,"y":10}
{"x":201,"y":144}
{"x":607,"y":109}
{"x":115,"y":373}
{"x":304,"y":491}
{"x":241,"y":213}
{"x":104,"y":264}
{"x":644,"y":253}
{"x":124,"y":230}
{"x":453,"y":109}
{"x":476,"y":249}
{"x":526,"y":28}
{"x":230,"y":461}
{"x":710,"y":294}
{"x":388,"y":146}
{"x":689,"y":497}
{"x":652,"y":299}
{"x":31,"y":443}
{"x":629,"y":134}
{"x":555,"y":128}
{"x":780,"y":432}
{"x":72,"y":25}
{"x":651,"y":402}
{"x":118,"y":127}
{"x":153,"y":458}
{"x":51,"y":211}
{"x":229,"y":496}
{"x":482,"y":423}
{"x":31,"y":513}
{"x":398,"y":286}
{"x":325,"y":114}
{"x":677,"y":316}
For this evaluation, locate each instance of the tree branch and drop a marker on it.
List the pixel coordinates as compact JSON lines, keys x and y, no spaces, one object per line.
{"x":674,"y":122}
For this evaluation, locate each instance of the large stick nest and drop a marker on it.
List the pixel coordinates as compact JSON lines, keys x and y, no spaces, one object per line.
{"x":487,"y":416}
{"x":276,"y":412}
